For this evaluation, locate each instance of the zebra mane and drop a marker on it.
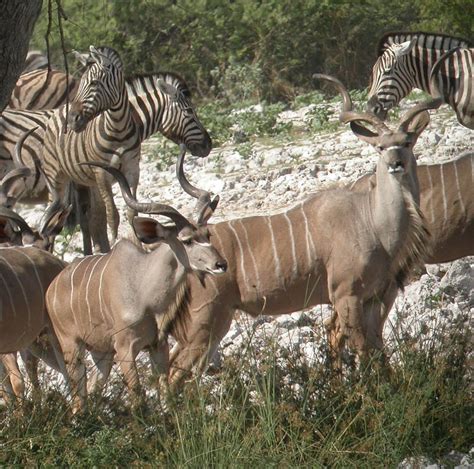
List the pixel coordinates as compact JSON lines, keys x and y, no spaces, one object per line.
{"x":137,"y":80}
{"x":401,"y":36}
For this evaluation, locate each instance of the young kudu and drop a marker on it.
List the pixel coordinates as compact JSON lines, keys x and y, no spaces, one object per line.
{"x":349,"y":249}
{"x":117,"y":304}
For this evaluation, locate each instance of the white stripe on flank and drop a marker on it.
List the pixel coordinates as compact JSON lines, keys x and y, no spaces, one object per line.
{"x":87,"y":287}
{"x":458,"y":186}
{"x":110,"y":254}
{"x":21,"y":287}
{"x":443,"y":193}
{"x":72,"y":285}
{"x":37,"y":278}
{"x":242,"y":266}
{"x":431,"y":190}
{"x":254,"y":262}
{"x":275,"y":253}
{"x":293,"y":248}
{"x":309,"y":239}
{"x":9,"y":296}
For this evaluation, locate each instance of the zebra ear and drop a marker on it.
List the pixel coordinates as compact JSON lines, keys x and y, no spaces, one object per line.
{"x":99,"y":57}
{"x":406,"y":47}
{"x":83,"y":59}
{"x":168,"y":89}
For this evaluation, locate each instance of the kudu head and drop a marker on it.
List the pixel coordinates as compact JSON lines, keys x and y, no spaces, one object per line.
{"x":12,"y":186}
{"x":189,"y":241}
{"x":101,"y":87}
{"x":390,"y":81}
{"x":395,"y":147}
{"x":15,"y":231}
{"x":178,"y":108}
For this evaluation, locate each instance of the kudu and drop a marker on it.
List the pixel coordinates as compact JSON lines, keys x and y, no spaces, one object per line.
{"x":447,"y":203}
{"x":119,"y":303}
{"x":25,"y":274}
{"x":349,"y":249}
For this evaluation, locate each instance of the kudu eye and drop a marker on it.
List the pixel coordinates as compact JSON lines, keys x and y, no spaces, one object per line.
{"x":187,"y":241}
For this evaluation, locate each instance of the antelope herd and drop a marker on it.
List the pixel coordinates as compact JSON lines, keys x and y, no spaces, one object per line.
{"x":352,"y":247}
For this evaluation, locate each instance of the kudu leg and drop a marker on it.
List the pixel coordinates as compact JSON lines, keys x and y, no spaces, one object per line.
{"x":31,"y":366}
{"x":159,"y":358}
{"x":125,"y":358}
{"x":100,"y":373}
{"x":350,"y":313}
{"x":11,"y":378}
{"x":194,"y":355}
{"x":76,"y":375}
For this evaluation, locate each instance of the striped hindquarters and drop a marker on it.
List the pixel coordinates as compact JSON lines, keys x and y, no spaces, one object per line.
{"x":43,"y":89}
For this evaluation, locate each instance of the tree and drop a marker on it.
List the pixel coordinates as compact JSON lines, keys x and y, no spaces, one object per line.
{"x":17,"y":20}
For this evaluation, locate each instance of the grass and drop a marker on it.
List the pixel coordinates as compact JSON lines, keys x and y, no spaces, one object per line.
{"x":267,"y":409}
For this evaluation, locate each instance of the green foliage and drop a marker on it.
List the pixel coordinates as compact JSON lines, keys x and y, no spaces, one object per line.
{"x":244,"y":49}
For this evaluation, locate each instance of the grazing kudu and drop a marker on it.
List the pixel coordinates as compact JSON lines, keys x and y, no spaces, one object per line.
{"x":349,"y":249}
{"x":447,"y":203}
{"x":25,"y":274}
{"x":117,"y":304}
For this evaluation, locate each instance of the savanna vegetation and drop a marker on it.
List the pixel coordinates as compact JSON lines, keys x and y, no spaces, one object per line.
{"x":265,"y":408}
{"x":246,"y":49}
{"x":268,"y":408}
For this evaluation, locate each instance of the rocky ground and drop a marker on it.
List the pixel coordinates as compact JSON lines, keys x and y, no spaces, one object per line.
{"x":276,"y":174}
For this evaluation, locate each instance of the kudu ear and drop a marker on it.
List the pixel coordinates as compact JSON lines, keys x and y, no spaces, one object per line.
{"x":168,"y":89}
{"x":56,"y":223}
{"x":149,"y":231}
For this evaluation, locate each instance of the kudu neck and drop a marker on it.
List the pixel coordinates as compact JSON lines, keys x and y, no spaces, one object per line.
{"x":391,"y":203}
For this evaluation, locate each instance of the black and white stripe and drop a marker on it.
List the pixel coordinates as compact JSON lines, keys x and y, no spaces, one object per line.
{"x":405,"y":61}
{"x":43,"y":89}
{"x":160,"y":102}
{"x":35,"y":60}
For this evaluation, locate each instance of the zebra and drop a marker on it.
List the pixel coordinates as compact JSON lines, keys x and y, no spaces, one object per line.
{"x":405,"y":61}
{"x":98,"y":127}
{"x":114,"y":136}
{"x":160,"y":102}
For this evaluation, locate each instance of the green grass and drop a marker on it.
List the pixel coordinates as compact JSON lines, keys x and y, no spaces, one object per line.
{"x":267,"y":409}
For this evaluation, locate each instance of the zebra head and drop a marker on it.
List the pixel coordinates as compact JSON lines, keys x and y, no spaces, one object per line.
{"x":391,"y":78}
{"x":101,"y":87}
{"x":180,"y":122}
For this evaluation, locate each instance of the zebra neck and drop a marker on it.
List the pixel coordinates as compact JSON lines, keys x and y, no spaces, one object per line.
{"x":118,"y":118}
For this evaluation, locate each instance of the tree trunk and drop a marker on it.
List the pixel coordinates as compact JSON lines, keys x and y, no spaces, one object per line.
{"x":17,"y":19}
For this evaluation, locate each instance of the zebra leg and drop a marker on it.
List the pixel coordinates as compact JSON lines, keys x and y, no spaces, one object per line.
{"x":83,"y":203}
{"x":105,"y":191}
{"x":98,"y":222}
{"x":131,"y":169}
